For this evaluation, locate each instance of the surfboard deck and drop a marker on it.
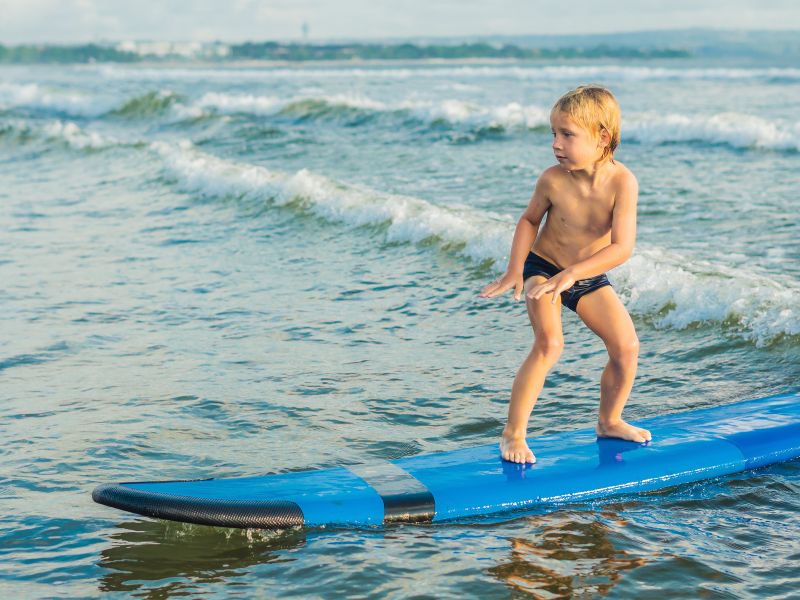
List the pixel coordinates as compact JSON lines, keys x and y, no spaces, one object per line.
{"x":571,"y":466}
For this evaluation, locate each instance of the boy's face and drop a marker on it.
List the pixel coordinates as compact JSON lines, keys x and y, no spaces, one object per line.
{"x":574,"y":146}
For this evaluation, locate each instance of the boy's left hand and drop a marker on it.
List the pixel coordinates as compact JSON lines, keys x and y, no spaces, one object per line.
{"x":556,"y":284}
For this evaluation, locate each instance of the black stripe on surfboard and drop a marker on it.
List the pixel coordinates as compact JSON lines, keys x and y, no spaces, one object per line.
{"x":265,"y":514}
{"x":405,"y":498}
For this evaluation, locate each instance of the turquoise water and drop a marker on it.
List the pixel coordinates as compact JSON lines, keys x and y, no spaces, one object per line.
{"x":219,"y":271}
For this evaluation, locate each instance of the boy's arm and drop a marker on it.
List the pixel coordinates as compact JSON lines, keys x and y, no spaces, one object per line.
{"x":623,"y":235}
{"x":528,"y":226}
{"x":524,"y":236}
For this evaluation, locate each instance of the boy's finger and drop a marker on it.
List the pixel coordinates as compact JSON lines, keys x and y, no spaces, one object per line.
{"x":489,"y":288}
{"x":496,"y":291}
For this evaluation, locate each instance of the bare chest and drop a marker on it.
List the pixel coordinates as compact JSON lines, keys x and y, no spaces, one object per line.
{"x":582,"y":212}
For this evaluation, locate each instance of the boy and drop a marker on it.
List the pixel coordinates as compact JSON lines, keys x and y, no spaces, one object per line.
{"x":590,"y":202}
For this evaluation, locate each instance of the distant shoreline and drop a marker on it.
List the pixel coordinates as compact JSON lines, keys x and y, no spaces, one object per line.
{"x":273,"y":53}
{"x":196,"y":63}
{"x":777,"y":47}
{"x":200,"y":63}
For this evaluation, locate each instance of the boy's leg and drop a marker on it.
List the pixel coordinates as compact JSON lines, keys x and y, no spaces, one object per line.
{"x":604,"y":314}
{"x":546,"y":321}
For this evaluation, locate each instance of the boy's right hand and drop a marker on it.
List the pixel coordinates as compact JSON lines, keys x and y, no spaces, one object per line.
{"x":502,"y":284}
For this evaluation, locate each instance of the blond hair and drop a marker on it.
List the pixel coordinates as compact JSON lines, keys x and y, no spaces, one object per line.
{"x":594,"y":108}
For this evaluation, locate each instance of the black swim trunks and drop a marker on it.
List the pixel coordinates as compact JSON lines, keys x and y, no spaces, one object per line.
{"x":536,"y":265}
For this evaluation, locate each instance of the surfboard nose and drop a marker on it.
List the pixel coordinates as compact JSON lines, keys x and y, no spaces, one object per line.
{"x":261,"y":514}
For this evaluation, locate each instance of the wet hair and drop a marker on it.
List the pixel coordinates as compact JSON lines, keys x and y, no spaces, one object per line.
{"x":594,"y":108}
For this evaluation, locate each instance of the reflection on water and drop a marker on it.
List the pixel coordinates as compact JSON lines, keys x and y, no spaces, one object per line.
{"x":560,"y":555}
{"x":168,"y":558}
{"x":571,"y":555}
{"x":734,"y":536}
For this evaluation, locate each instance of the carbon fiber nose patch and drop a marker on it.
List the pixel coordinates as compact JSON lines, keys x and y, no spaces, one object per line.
{"x":405,"y":498}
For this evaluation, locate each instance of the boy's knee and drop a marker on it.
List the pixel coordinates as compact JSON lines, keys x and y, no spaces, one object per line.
{"x":549,"y":346}
{"x":625,"y":350}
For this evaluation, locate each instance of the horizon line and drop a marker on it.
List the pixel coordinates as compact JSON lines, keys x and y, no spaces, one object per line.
{"x":408,"y":38}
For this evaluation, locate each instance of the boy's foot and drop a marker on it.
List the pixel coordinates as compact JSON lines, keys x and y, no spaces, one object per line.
{"x":516,"y":450}
{"x":623,"y":431}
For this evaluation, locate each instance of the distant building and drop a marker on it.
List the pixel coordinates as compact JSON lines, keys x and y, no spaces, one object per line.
{"x":183,"y":49}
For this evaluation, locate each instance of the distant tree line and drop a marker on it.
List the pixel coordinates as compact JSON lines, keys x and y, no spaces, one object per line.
{"x":42,"y":53}
{"x":299,"y":52}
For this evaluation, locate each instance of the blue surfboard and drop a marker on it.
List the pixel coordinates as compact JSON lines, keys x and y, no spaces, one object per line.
{"x":571,"y":466}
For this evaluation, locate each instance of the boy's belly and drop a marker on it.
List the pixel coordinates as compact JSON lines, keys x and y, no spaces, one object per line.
{"x":565,"y":253}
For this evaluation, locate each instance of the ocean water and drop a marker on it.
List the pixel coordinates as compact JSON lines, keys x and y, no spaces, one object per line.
{"x":222,"y":271}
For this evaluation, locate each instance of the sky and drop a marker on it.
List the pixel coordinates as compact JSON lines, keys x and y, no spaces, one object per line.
{"x":78,"y":21}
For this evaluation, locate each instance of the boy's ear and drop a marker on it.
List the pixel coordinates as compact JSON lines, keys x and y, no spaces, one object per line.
{"x":605,"y":137}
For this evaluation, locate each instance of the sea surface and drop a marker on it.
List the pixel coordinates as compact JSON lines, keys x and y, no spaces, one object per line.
{"x":232,"y":270}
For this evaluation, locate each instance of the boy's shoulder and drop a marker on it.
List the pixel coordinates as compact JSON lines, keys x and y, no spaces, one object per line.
{"x":551,"y":176}
{"x":623,"y":174}
{"x":621,"y":177}
{"x":624,"y":179}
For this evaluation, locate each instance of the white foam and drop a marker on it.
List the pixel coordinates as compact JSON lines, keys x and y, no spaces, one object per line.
{"x":511,"y":115}
{"x":479,"y":235}
{"x":65,"y":131}
{"x":605,"y":72}
{"x":239,"y":103}
{"x":77,"y":137}
{"x":182,"y":112}
{"x":508,"y":116}
{"x":32,"y":95}
{"x":675,"y":291}
{"x":735,"y":129}
{"x":223,"y":103}
{"x":680,"y":291}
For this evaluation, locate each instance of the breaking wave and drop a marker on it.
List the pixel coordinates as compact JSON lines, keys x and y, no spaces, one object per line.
{"x":65,"y":132}
{"x":668,"y":289}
